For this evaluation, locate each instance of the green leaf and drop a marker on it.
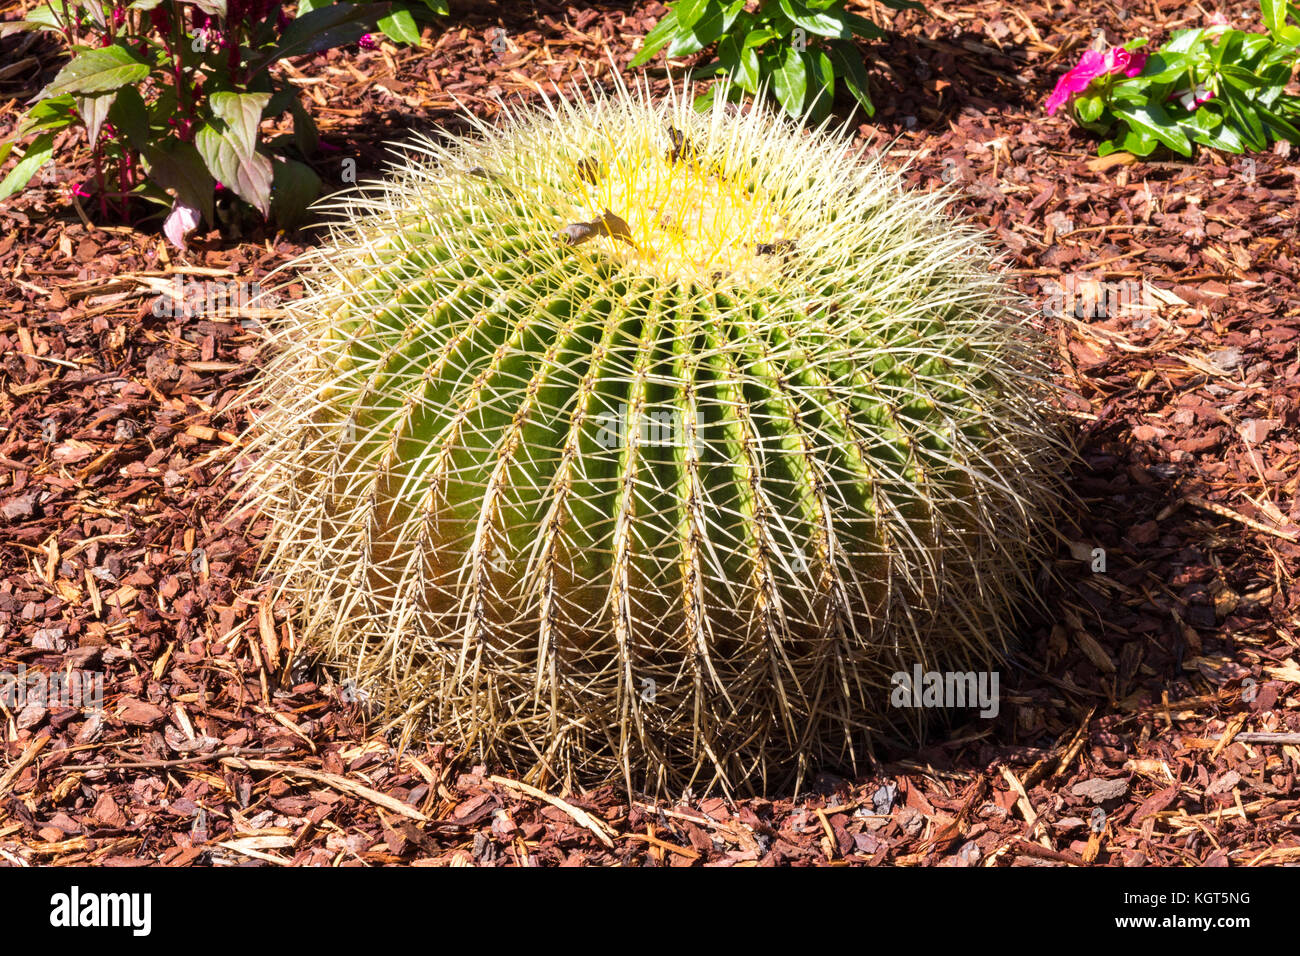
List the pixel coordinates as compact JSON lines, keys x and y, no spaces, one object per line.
{"x":1151,"y":121}
{"x":1165,"y":67}
{"x":699,"y":23}
{"x":1228,"y":48}
{"x":1183,"y":41}
{"x":711,"y":25}
{"x":39,"y":152}
{"x":45,"y":15}
{"x":295,"y":186}
{"x":688,"y":11}
{"x":1241,"y":79}
{"x":862,"y":27}
{"x":1281,"y":128}
{"x":1089,"y":108}
{"x":761,"y":36}
{"x":1244,"y":118}
{"x":823,"y":24}
{"x":307,"y":6}
{"x":439,"y":8}
{"x":130,"y":117}
{"x":1135,"y":142}
{"x":324,"y":29}
{"x":400,"y":26}
{"x":656,"y":39}
{"x":790,"y":81}
{"x":241,"y":112}
{"x":305,"y":134}
{"x":51,"y":114}
{"x":1207,"y":128}
{"x":851,"y":70}
{"x":94,"y":111}
{"x":728,"y":55}
{"x":38,"y":18}
{"x":741,"y":62}
{"x":178,"y":167}
{"x":98,"y":71}
{"x":279,"y":102}
{"x":1274,"y":12}
{"x":229,"y":147}
{"x":248,"y":178}
{"x":821,"y":84}
{"x":704,"y":102}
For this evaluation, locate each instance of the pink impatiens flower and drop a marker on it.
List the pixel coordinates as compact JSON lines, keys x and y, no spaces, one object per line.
{"x":1091,"y":65}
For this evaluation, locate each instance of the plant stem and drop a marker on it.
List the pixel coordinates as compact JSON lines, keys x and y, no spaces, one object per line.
{"x":99,"y":179}
{"x":184,"y":101}
{"x":67,"y":22}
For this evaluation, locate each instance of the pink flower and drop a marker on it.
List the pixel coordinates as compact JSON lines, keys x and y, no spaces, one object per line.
{"x":180,"y":222}
{"x":1120,"y":60}
{"x":1092,"y":65}
{"x":367,"y":41}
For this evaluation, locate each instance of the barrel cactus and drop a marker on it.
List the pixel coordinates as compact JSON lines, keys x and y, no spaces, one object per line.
{"x":621,"y":440}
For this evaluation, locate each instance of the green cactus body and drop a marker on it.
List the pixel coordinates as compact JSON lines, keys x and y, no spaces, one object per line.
{"x":672,"y":500}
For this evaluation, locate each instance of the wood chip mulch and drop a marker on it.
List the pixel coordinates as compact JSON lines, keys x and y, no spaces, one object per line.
{"x":1151,"y":717}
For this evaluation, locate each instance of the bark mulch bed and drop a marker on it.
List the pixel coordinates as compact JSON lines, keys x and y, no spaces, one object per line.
{"x":1150,"y":719}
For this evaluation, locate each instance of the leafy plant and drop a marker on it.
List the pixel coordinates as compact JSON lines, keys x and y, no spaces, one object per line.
{"x":400,"y":25}
{"x":172,"y":96}
{"x":796,"y":48}
{"x":1211,"y":86}
{"x":658,"y":451}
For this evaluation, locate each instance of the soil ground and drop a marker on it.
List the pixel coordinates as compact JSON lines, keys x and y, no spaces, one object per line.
{"x":1149,"y":718}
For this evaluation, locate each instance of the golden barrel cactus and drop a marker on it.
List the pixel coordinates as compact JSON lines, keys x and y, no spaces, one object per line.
{"x":623,"y":440}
